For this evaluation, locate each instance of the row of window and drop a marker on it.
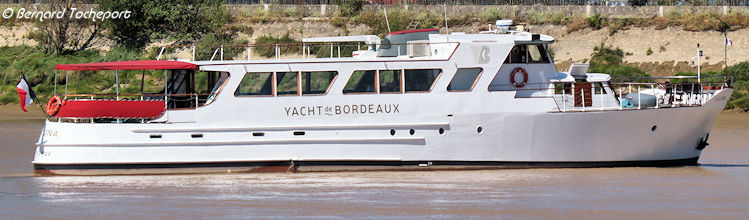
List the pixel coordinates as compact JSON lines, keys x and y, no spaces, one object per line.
{"x":361,"y":81}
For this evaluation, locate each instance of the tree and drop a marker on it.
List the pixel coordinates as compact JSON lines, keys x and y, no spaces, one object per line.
{"x":65,"y":35}
{"x":183,"y":21}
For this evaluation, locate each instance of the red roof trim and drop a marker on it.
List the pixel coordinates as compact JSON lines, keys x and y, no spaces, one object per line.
{"x":412,"y":31}
{"x":128,"y":65}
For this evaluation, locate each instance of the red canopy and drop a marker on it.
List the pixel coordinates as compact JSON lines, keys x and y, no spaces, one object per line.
{"x":111,"y":109}
{"x":129,"y":65}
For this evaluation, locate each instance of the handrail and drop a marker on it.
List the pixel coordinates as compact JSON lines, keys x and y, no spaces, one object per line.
{"x":305,"y":47}
{"x":670,"y":77}
{"x":107,"y":94}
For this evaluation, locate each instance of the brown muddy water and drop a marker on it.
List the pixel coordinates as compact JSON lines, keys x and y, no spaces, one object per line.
{"x":718,"y":188}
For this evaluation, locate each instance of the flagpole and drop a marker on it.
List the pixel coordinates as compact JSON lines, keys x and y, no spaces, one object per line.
{"x":725,"y":53}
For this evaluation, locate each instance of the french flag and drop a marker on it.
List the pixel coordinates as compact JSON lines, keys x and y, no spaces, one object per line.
{"x":25,"y":93}
{"x":729,"y":42}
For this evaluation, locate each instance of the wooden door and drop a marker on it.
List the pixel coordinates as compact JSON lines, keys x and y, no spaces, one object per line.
{"x":586,"y":99}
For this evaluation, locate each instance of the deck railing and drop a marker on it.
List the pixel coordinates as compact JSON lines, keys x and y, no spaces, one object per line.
{"x":669,"y":92}
{"x":305,"y":50}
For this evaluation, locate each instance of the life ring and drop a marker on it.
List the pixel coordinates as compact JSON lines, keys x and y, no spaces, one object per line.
{"x":525,"y":77}
{"x":54,"y":105}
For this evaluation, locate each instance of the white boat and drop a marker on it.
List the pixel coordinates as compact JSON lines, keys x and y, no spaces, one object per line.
{"x":416,"y":100}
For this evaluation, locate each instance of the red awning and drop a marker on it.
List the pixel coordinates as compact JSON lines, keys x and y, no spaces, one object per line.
{"x":111,"y":109}
{"x":129,"y":65}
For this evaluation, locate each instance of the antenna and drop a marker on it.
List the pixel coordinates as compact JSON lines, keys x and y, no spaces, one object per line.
{"x":699,"y":54}
{"x":447,"y":29}
{"x":386,"y":19}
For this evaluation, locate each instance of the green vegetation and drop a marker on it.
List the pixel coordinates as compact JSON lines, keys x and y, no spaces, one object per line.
{"x":349,"y":8}
{"x":609,"y":60}
{"x":182,"y":21}
{"x":267,"y":45}
{"x":649,"y":52}
{"x":595,"y":21}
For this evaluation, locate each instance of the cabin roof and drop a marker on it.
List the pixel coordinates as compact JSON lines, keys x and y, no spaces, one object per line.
{"x":128,"y":65}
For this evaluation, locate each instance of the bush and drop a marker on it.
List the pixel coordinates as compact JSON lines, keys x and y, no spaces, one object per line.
{"x":399,"y":20}
{"x":555,"y":18}
{"x":213,"y":41}
{"x":269,"y":50}
{"x":619,"y":70}
{"x":608,"y":60}
{"x":595,"y":21}
{"x":577,"y":23}
{"x":492,"y":14}
{"x":349,"y":8}
{"x":603,"y":56}
{"x":649,"y":52}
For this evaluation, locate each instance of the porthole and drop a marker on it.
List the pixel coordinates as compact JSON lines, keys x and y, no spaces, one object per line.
{"x":479,"y":129}
{"x":442,"y":131}
{"x":412,"y":132}
{"x":654,"y":128}
{"x":392,"y":131}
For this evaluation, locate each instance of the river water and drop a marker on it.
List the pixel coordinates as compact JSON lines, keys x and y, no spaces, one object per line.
{"x":719,"y":188}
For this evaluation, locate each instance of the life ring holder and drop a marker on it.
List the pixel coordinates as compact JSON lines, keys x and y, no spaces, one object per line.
{"x":525,"y":77}
{"x":54,"y":104}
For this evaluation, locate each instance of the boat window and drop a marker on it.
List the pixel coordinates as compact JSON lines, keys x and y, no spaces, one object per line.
{"x":385,"y":44}
{"x":517,"y":55}
{"x":421,"y":80}
{"x":464,"y":79}
{"x":361,"y":81}
{"x":538,"y":53}
{"x":209,"y":84}
{"x":599,"y":89}
{"x":287,"y":83}
{"x":317,"y":82}
{"x":563,"y":88}
{"x":390,"y":81}
{"x":255,"y":84}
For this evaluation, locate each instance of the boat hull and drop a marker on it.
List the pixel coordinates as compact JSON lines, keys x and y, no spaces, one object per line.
{"x":330,"y":166}
{"x":611,"y":138}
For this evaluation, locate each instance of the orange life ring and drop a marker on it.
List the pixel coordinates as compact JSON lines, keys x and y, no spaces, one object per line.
{"x":525,"y":77}
{"x":54,"y":105}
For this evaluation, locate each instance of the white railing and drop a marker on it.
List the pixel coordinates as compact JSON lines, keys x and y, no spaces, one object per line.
{"x":309,"y":50}
{"x":645,"y":93}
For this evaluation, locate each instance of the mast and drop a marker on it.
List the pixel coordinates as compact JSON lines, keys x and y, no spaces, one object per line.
{"x":725,"y":52}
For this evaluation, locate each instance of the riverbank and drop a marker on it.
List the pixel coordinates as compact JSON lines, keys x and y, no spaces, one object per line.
{"x":13,"y":113}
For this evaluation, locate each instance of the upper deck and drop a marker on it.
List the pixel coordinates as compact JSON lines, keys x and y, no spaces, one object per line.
{"x":411,"y":45}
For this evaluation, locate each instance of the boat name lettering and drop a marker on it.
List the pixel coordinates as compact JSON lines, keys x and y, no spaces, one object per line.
{"x":50,"y":133}
{"x":342,"y":109}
